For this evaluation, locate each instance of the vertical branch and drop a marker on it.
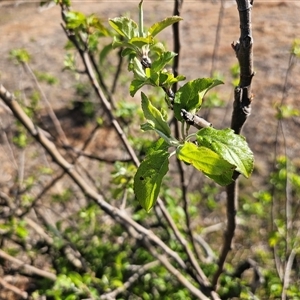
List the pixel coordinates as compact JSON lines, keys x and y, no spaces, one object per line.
{"x":176,"y":39}
{"x":241,"y":111}
{"x":176,"y":47}
{"x":217,"y":40}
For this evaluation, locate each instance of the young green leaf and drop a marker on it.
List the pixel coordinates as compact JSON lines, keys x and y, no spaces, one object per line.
{"x":138,"y":70}
{"x":207,"y":161}
{"x":154,"y":117}
{"x":139,"y":42}
{"x":125,"y":27}
{"x":94,"y":22}
{"x":104,"y":52}
{"x":148,"y":178}
{"x":189,"y":96}
{"x":20,"y":55}
{"x":158,"y":27}
{"x":230,"y":146}
{"x":75,"y":19}
{"x":135,"y":85}
{"x":164,"y":59}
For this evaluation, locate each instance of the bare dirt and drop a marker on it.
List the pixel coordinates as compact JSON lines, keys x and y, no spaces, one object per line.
{"x":275,"y":25}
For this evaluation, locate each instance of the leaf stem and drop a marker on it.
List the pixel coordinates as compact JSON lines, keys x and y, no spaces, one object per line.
{"x":183,"y":130}
{"x":190,"y":136}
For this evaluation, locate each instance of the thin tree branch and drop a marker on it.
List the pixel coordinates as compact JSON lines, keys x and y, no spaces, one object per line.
{"x":241,"y":111}
{"x":176,"y":47}
{"x":217,"y":39}
{"x":14,"y":289}
{"x":118,"y":72}
{"x":203,"y":279}
{"x":50,"y":111}
{"x":137,"y":274}
{"x":287,"y":273}
{"x":27,"y":268}
{"x":176,"y":273}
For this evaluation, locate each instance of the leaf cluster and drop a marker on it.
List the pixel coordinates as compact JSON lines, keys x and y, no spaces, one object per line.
{"x":216,"y":153}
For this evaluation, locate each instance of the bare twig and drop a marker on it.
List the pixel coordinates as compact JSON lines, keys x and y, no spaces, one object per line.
{"x":118,"y":72}
{"x":14,"y":289}
{"x":217,"y":39}
{"x":287,"y":273}
{"x":176,"y":47}
{"x":50,"y":110}
{"x":241,"y":111}
{"x":201,"y":278}
{"x":101,"y":81}
{"x":288,"y":200}
{"x":176,"y":273}
{"x":27,"y":268}
{"x":176,"y":38}
{"x":137,"y":274}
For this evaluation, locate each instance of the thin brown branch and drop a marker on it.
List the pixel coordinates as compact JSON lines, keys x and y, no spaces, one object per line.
{"x":49,"y":108}
{"x":176,"y":47}
{"x":14,"y":289}
{"x":137,"y":274}
{"x":196,"y":292}
{"x":217,"y":39}
{"x":287,"y":274}
{"x":27,"y":268}
{"x":241,"y":111}
{"x":200,"y":276}
{"x":176,"y":38}
{"x":118,"y":71}
{"x":102,"y":82}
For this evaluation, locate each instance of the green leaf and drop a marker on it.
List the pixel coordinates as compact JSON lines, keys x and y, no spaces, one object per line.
{"x":138,"y":70}
{"x":104,"y":52}
{"x":148,"y":178}
{"x":158,"y":27}
{"x":125,"y":27}
{"x":207,"y":161}
{"x":164,"y":59}
{"x":158,"y":48}
{"x":167,"y":79}
{"x":135,"y":85}
{"x":20,"y":55}
{"x":128,"y":52}
{"x":230,"y":146}
{"x":139,"y":42}
{"x":296,"y":48}
{"x":153,"y":76}
{"x":154,"y":117}
{"x":94,"y":22}
{"x":75,"y":19}
{"x":189,"y":96}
